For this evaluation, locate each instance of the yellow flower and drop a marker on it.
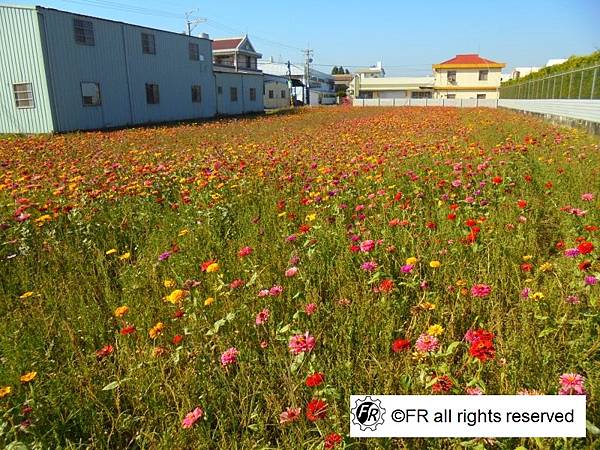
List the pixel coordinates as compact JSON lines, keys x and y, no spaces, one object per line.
{"x":111,"y":251}
{"x":546,"y":267}
{"x":209,"y":301}
{"x":537,"y":296}
{"x":43,"y":219}
{"x":125,"y":256}
{"x":176,"y":296}
{"x":4,"y":391}
{"x":311,"y":217}
{"x":281,"y":214}
{"x":26,"y":294}
{"x":434,"y":264}
{"x":183,"y":232}
{"x":121,"y":311}
{"x":435,"y":330}
{"x":29,"y":376}
{"x":168,"y":283}
{"x":411,"y":261}
{"x":461,"y":283}
{"x":214,"y":267}
{"x":156,"y":330}
{"x":527,"y":257}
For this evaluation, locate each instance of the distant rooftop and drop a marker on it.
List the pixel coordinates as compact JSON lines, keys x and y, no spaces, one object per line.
{"x":227,"y":43}
{"x":468,"y":59}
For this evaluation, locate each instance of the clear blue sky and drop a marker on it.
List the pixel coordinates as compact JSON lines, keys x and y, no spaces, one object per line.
{"x":408,"y":36}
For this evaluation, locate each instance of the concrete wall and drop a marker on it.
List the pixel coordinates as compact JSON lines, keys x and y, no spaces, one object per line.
{"x":586,"y":110}
{"x":22,"y":61}
{"x":243,"y":82}
{"x":466,"y":103}
{"x":116,"y":62}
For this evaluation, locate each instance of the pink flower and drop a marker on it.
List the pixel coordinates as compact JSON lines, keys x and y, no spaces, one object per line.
{"x":292,"y":271}
{"x":262,"y":317}
{"x":192,"y":417}
{"x":573,"y":300}
{"x":590,"y":280}
{"x":427,"y":343}
{"x":310,"y":308}
{"x":369,"y":266}
{"x":480,"y":290}
{"x":229,"y":356}
{"x":367,"y":246}
{"x":245,"y":251}
{"x":263,"y":293}
{"x":289,"y":415}
{"x":525,"y":292}
{"x":571,"y":252}
{"x":275,"y":291}
{"x":301,"y":343}
{"x":571,"y":384}
{"x":474,"y":391}
{"x":587,"y":197}
{"x":407,"y":268}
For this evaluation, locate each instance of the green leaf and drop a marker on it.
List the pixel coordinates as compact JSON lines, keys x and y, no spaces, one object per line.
{"x":546,"y":332}
{"x":452,"y":347}
{"x":591,"y":427}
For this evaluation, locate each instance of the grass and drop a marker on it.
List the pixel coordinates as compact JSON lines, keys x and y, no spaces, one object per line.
{"x":85,"y":217}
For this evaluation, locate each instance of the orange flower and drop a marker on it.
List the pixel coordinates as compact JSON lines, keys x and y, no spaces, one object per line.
{"x":27,"y":377}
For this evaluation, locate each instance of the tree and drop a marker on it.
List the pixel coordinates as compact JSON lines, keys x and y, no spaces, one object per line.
{"x":341,"y":71}
{"x":347,"y":72}
{"x":335,"y":70}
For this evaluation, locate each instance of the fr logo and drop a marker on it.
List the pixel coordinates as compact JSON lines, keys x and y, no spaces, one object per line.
{"x":367,"y":413}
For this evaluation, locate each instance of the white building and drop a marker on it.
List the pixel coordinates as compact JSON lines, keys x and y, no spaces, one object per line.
{"x":277,"y":92}
{"x":321,"y":85}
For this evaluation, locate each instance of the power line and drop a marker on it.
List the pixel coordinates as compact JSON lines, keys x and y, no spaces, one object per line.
{"x":125,"y":8}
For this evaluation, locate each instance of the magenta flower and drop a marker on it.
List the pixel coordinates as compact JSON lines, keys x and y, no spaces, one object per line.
{"x":474,"y":391}
{"x":275,"y":291}
{"x":525,"y":292}
{"x":245,"y":251}
{"x":480,"y":290}
{"x":192,"y":417}
{"x":164,"y":256}
{"x":367,"y":246}
{"x":301,"y":343}
{"x":369,"y":266}
{"x":573,"y":300}
{"x":427,"y":343}
{"x":587,"y":197}
{"x":571,"y":252}
{"x":229,"y":356}
{"x":262,"y":317}
{"x":407,"y":268}
{"x":590,"y":280}
{"x":310,"y":309}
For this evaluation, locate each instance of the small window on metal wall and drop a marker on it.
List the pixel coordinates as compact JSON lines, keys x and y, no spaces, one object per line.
{"x":196,"y":94}
{"x":84,"y":32}
{"x":252,"y":94}
{"x":152,"y":94}
{"x":233,"y":94}
{"x":148,"y":44}
{"x":23,"y":95}
{"x":90,"y":94}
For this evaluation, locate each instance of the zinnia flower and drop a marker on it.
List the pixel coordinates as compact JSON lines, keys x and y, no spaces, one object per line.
{"x":315,"y":379}
{"x":369,"y":266}
{"x":292,"y":271}
{"x":427,"y":343}
{"x":301,"y":343}
{"x":229,"y":356}
{"x":331,"y":440}
{"x":192,"y":417}
{"x":121,"y":311}
{"x":316,"y":409}
{"x":571,"y":384}
{"x":262,"y":317}
{"x":289,"y":415}
{"x":400,"y":344}
{"x":480,"y":290}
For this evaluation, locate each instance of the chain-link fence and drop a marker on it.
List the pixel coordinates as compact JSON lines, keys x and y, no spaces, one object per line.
{"x":583,"y":84}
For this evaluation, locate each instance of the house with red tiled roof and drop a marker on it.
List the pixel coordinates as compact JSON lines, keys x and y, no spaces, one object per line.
{"x":237,"y":52}
{"x":467,"y":76}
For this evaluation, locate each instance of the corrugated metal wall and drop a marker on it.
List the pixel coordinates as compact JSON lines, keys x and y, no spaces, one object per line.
{"x":116,"y":62}
{"x":575,"y":109}
{"x":22,"y":61}
{"x":243,"y":82}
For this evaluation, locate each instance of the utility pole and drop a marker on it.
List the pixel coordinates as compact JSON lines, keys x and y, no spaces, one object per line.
{"x":192,"y":22}
{"x":291,"y":88}
{"x":307,"y":61}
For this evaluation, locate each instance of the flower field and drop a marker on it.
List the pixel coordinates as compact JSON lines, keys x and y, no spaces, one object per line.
{"x":229,"y":284}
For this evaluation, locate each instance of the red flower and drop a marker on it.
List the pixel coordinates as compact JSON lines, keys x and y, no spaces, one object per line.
{"x":331,"y":440}
{"x":127,"y":330}
{"x":104,"y":351}
{"x":451,"y":216}
{"x":526,"y":267}
{"x":179,"y":313}
{"x":548,"y":185}
{"x":470,"y":223}
{"x":497,"y":180}
{"x":177,"y":339}
{"x":585,"y":247}
{"x":386,"y":286}
{"x":315,"y":379}
{"x":585,"y":265}
{"x":431,"y":225}
{"x":522,"y":204}
{"x":442,"y":384}
{"x":528,"y":178}
{"x":304,"y":228}
{"x":400,"y":344}
{"x":316,"y":409}
{"x":483,"y":349}
{"x":559,"y":245}
{"x":205,"y":264}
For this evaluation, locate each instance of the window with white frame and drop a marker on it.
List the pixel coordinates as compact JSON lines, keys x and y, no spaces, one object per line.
{"x":90,"y":94}
{"x":152,"y":95}
{"x":452,"y":76}
{"x":483,"y":75}
{"x":194,"y":51}
{"x":148,"y":44}
{"x":84,"y":32}
{"x":23,"y":95}
{"x":196,"y":94}
{"x":480,"y":96}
